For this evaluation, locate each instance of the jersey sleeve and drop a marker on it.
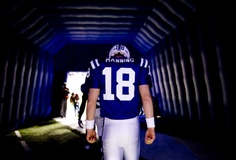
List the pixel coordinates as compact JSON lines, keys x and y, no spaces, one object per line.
{"x":145,"y":76}
{"x":94,"y":73}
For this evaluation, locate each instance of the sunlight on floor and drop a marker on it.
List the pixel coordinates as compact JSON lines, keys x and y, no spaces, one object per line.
{"x":72,"y":118}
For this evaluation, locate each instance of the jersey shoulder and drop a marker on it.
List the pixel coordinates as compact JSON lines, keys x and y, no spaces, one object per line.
{"x":142,"y":62}
{"x":95,"y":63}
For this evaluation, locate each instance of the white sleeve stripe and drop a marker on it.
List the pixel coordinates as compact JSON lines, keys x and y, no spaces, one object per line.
{"x":97,"y":62}
{"x":94,"y":63}
{"x":141,"y":63}
{"x":144,"y":63}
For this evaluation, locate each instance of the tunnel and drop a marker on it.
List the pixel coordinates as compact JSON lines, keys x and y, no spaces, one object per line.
{"x":190,"y":45}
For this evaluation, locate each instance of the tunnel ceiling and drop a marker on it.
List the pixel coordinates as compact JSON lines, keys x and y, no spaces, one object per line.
{"x":50,"y":24}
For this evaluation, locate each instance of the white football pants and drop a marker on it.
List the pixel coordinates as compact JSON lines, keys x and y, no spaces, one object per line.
{"x":121,"y":139}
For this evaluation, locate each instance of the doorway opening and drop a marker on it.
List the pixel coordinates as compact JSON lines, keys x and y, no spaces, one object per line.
{"x":74,"y":81}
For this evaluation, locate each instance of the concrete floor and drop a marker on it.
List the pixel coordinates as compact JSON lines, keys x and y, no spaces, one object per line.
{"x":167,"y":146}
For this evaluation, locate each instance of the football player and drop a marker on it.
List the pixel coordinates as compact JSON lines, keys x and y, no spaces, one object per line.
{"x":120,"y":81}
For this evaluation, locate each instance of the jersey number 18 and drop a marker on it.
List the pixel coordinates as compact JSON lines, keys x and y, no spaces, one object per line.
{"x":121,"y":83}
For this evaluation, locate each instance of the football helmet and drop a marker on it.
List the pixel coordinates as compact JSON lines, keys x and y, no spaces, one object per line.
{"x":118,"y":48}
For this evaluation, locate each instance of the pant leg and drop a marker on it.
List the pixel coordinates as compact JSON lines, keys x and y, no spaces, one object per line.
{"x":99,"y":122}
{"x":121,"y":138}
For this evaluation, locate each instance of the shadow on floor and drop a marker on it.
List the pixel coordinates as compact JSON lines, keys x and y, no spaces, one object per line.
{"x":62,"y":138}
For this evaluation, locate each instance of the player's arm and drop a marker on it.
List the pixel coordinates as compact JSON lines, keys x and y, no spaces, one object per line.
{"x":146,"y":100}
{"x":91,"y":104}
{"x":90,"y":114}
{"x":149,"y":113}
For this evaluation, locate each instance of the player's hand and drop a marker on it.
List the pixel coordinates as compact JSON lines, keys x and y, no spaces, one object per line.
{"x":150,"y":135}
{"x":91,"y":136}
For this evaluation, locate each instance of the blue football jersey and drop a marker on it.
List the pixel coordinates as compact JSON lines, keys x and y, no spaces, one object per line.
{"x":118,"y":81}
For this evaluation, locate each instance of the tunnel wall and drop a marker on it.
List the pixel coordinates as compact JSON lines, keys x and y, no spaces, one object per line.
{"x":193,"y":72}
{"x":26,"y":80}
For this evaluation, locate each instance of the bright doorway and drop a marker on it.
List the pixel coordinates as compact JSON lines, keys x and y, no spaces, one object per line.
{"x":74,"y":81}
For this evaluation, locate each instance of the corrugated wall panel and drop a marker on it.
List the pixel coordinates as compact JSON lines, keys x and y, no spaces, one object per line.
{"x":26,"y":84}
{"x":195,"y":73}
